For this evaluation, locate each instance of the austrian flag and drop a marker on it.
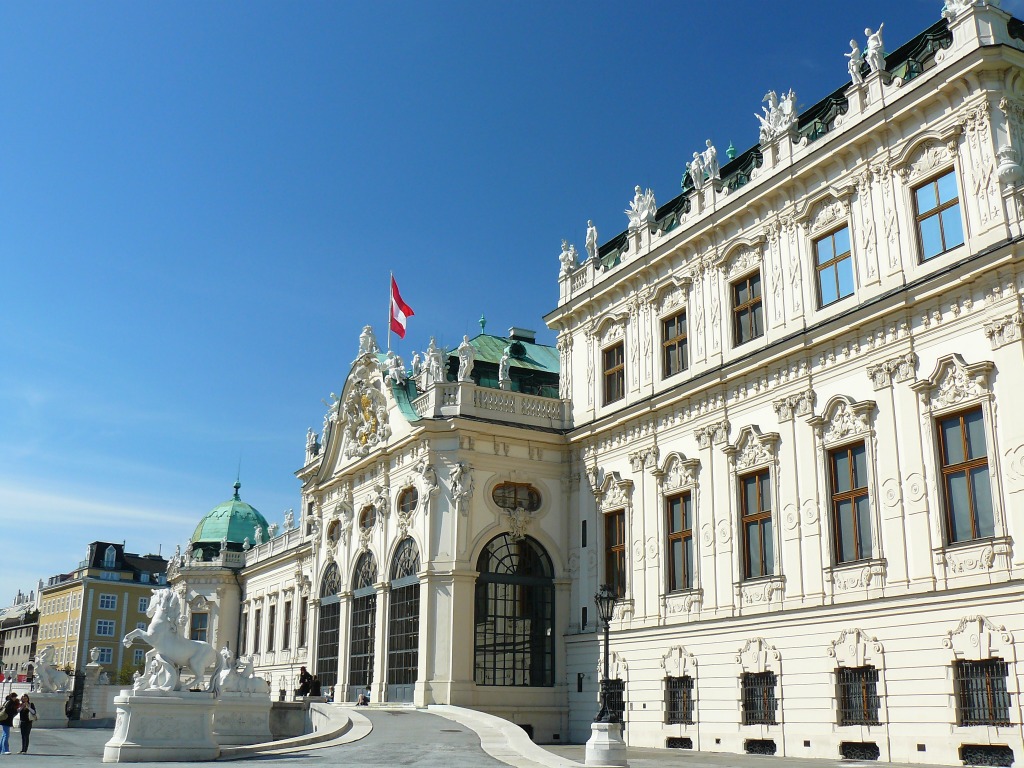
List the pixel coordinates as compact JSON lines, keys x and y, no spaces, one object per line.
{"x":400,"y":311}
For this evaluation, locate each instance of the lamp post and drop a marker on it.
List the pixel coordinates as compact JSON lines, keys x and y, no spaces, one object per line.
{"x":606,"y":747}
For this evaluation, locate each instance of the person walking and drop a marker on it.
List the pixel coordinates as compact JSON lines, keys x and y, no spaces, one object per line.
{"x":10,"y":709}
{"x":28,"y":715}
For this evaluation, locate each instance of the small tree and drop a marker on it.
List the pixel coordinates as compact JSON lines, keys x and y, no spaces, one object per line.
{"x":125,"y":675}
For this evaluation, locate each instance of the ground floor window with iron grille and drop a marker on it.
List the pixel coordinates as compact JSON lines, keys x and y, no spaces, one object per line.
{"x":759,"y":702}
{"x":679,"y":699}
{"x":857,"y":695}
{"x":982,"y":698}
{"x":514,"y":639}
{"x":617,"y":699}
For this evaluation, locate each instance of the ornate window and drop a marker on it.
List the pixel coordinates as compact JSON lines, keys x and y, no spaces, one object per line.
{"x":367,"y":518}
{"x":329,"y":627}
{"x":747,"y":309}
{"x":516,"y":496}
{"x":851,"y":510}
{"x":756,"y":524}
{"x":967,"y":496}
{"x":364,"y":619}
{"x":407,"y":501}
{"x":937,"y":207}
{"x":615,"y":551}
{"x":303,"y":621}
{"x":199,"y":626}
{"x":614,"y":366}
{"x":514,"y":614}
{"x":833,"y":264}
{"x":257,"y":624}
{"x":673,"y":345}
{"x":110,"y":557}
{"x":243,"y":632}
{"x":679,"y":521}
{"x":404,"y":618}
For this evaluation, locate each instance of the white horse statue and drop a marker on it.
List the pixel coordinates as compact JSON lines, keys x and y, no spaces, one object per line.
{"x":50,"y":678}
{"x":162,"y":633}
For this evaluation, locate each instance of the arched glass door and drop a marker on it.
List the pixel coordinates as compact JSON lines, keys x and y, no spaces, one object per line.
{"x":514,"y":614}
{"x":329,"y":628}
{"x":364,"y":621}
{"x":404,"y":622}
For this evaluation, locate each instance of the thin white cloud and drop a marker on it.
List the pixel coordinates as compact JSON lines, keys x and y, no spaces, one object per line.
{"x":50,"y":508}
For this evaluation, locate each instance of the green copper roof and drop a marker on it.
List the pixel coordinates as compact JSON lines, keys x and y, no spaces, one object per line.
{"x":233,"y":520}
{"x":535,"y":357}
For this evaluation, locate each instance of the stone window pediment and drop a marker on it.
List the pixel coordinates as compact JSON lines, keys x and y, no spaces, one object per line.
{"x":742,"y":258}
{"x":842,"y":419}
{"x":753,"y":448}
{"x":954,"y":382}
{"x":678,"y":473}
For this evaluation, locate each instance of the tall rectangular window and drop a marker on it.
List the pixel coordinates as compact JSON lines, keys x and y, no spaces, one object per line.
{"x":286,"y":639}
{"x":851,"y":519}
{"x":939,"y":226}
{"x":756,"y":521}
{"x":614,"y":367}
{"x":967,"y":495}
{"x":243,"y":633}
{"x":834,"y":266}
{"x":679,"y":699}
{"x":679,"y":512}
{"x":303,"y":621}
{"x":857,"y":695}
{"x":673,"y":345}
{"x":981,"y":695}
{"x":759,"y":701}
{"x":615,"y":551}
{"x":199,"y":626}
{"x":747,"y":311}
{"x":271,"y":627}
{"x":256,"y":630}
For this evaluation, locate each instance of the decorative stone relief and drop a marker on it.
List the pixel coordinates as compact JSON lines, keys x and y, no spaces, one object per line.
{"x":678,"y":662}
{"x":842,"y":418}
{"x":428,"y":477}
{"x":684,"y":602}
{"x":761,"y":592}
{"x":644,"y":458}
{"x":678,"y":472}
{"x":752,"y":448}
{"x":1004,"y":330}
{"x":742,"y":260}
{"x":614,"y":492}
{"x":954,"y":381}
{"x":891,"y":496}
{"x":930,"y":157}
{"x":518,"y":520}
{"x":1013,"y":464}
{"x":460,"y":481}
{"x":977,"y":639}
{"x":618,"y":666}
{"x":366,"y":419}
{"x":799,"y":404}
{"x":982,"y":171}
{"x":860,"y":577}
{"x":855,"y":648}
{"x":827,"y":213}
{"x":712,"y":433}
{"x":898,"y":369}
{"x":642,"y":210}
{"x":758,"y":656}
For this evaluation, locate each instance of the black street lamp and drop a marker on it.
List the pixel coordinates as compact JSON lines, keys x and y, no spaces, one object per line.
{"x":605,"y":602}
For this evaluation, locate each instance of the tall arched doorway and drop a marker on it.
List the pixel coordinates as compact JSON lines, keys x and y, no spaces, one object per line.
{"x":404,"y":622}
{"x":364,"y":622}
{"x":328,"y":628}
{"x":514,"y":614}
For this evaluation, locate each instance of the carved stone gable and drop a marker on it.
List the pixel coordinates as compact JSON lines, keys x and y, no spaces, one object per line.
{"x":843,"y":419}
{"x":855,"y":648}
{"x":827,"y":214}
{"x":614,"y":492}
{"x":976,"y":639}
{"x":953,"y":382}
{"x":758,"y":656}
{"x":678,"y":472}
{"x":752,"y":448}
{"x":677,"y":662}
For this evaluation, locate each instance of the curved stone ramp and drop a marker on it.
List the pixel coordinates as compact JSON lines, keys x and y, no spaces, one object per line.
{"x":334,"y":725}
{"x":503,"y":740}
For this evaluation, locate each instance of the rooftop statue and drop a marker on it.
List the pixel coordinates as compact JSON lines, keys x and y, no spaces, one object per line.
{"x":567,"y":258}
{"x":953,"y":8}
{"x":642,"y":210}
{"x":435,"y":364}
{"x":591,"y":244}
{"x":394,"y":369}
{"x":467,"y":358}
{"x":503,"y":366}
{"x":367,"y":341}
{"x":710,"y":159}
{"x":417,"y":364}
{"x":696,"y":170}
{"x":779,"y":116}
{"x":856,"y":61}
{"x":874,"y":52}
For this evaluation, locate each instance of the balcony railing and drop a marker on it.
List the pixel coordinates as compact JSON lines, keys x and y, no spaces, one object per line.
{"x":468,"y":399}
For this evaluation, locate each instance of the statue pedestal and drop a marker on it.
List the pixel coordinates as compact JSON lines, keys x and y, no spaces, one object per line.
{"x":175,"y":727}
{"x":606,"y":747}
{"x":242,"y":718}
{"x":50,"y":709}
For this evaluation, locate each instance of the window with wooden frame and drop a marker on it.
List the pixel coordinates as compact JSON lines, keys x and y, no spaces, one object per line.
{"x":937,"y":207}
{"x":615,"y":551}
{"x":407,"y":501}
{"x":673,"y":345}
{"x":833,"y":264}
{"x":756,"y":522}
{"x":679,"y":523}
{"x":851,"y":510}
{"x":516,"y":496}
{"x":747,"y":310}
{"x":967,"y":495}
{"x":614,"y":367}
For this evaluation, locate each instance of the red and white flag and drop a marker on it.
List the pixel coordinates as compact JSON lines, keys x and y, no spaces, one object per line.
{"x":400,"y":311}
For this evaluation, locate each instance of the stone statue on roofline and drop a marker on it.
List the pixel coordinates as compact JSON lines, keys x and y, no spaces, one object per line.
{"x":567,"y":258}
{"x":696,"y":170}
{"x":642,"y":210}
{"x":874,"y":51}
{"x":710,"y":160}
{"x":856,"y":61}
{"x":779,"y":116}
{"x":435,"y":364}
{"x":591,"y":244}
{"x":467,"y":358}
{"x":504,"y":381}
{"x":953,"y":8}
{"x":367,"y":341}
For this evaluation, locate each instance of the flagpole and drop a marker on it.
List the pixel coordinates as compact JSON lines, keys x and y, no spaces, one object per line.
{"x":391,"y":280}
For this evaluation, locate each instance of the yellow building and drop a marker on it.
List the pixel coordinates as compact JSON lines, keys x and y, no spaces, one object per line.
{"x":96,"y":604}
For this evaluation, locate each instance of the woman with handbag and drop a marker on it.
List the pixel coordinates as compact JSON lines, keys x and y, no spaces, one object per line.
{"x":7,"y":713}
{"x":28,"y":717}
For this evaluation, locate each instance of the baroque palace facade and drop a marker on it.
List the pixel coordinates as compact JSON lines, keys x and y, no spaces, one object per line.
{"x":779,"y":421}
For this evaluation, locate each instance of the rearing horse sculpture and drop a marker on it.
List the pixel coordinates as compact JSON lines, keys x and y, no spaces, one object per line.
{"x":164,"y":611}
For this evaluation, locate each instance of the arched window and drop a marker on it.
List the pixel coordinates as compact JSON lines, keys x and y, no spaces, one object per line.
{"x":367,"y":518}
{"x":110,"y":557}
{"x":329,"y":627}
{"x":407,"y":501}
{"x":516,"y":495}
{"x":514,"y":614}
{"x":364,"y":616}
{"x":404,"y":622}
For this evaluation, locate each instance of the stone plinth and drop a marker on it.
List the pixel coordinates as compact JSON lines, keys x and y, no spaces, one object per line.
{"x":606,"y":747}
{"x":242,"y":718}
{"x":50,"y":707}
{"x":162,"y":728}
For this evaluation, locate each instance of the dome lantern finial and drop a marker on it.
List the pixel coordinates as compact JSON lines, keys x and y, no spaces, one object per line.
{"x":236,"y":487}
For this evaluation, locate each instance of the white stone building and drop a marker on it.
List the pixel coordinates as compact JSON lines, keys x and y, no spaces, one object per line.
{"x":796,"y":448}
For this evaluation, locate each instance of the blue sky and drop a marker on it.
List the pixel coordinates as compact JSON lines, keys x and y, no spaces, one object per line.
{"x":200,"y":203}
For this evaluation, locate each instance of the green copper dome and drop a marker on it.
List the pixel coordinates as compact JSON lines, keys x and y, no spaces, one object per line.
{"x":233,"y":520}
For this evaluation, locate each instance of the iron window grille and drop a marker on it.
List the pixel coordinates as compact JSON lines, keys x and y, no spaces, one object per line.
{"x":747,"y":309}
{"x":756,"y":518}
{"x":673,"y":345}
{"x":679,"y":511}
{"x":965,"y":479}
{"x":939,"y":226}
{"x":982,"y":698}
{"x":851,"y":510}
{"x":759,"y":702}
{"x":614,"y":373}
{"x":857,"y":695}
{"x":679,"y":700}
{"x":615,"y":551}
{"x":616,"y":693}
{"x":833,"y":264}
{"x":364,"y":619}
